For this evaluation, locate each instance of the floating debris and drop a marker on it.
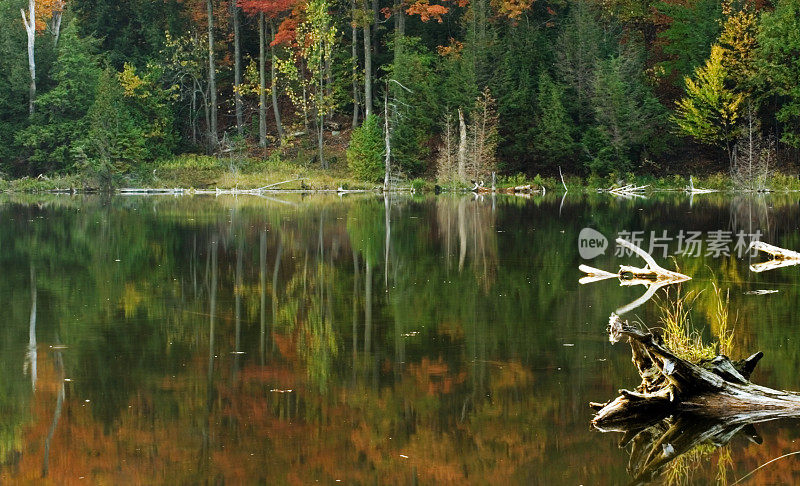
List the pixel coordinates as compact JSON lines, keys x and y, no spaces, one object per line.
{"x":781,"y":257}
{"x":761,"y":292}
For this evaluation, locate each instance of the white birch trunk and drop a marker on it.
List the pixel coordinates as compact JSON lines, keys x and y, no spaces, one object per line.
{"x":30,"y":28}
{"x":262,"y":82}
{"x":462,"y":147}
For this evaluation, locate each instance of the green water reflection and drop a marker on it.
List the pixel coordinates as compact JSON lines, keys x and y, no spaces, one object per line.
{"x":288,"y":340}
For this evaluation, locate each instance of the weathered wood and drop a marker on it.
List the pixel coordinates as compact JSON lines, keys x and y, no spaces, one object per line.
{"x":781,"y":257}
{"x":718,"y":388}
{"x":653,"y":276}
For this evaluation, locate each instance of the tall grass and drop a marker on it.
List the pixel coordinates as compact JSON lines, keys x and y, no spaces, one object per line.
{"x":683,"y":338}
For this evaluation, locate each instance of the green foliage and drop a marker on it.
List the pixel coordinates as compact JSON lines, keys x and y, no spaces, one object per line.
{"x":694,"y":26}
{"x":710,"y":110}
{"x":415,"y":106}
{"x":60,"y":119}
{"x":365,"y":154}
{"x":779,"y":64}
{"x":553,"y":127}
{"x":627,"y":115}
{"x":114,"y":143}
{"x":522,"y":52}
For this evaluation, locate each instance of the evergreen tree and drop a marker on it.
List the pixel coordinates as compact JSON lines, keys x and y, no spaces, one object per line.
{"x":365,"y":154}
{"x":779,"y":65}
{"x":553,"y":142}
{"x":60,"y":117}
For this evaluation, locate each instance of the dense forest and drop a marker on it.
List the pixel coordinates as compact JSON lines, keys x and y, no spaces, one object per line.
{"x":451,"y":89}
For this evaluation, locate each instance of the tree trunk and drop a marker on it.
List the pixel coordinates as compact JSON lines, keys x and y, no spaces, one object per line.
{"x":376,"y":21}
{"x":212,"y":78}
{"x":462,"y":147}
{"x":56,"y":26}
{"x":30,"y":28}
{"x":718,"y":389}
{"x":367,"y":68}
{"x":399,"y":29}
{"x":320,"y":117}
{"x":237,"y":69}
{"x":274,"y":80}
{"x":354,"y":44}
{"x":262,"y":82}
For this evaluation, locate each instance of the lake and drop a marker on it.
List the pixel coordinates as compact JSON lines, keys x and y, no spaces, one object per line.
{"x":416,"y":340}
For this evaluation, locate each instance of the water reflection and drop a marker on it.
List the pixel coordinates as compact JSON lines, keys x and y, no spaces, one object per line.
{"x":667,"y":449}
{"x":367,"y":339}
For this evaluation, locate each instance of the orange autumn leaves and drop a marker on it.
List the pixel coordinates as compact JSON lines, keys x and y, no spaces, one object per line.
{"x":45,"y":10}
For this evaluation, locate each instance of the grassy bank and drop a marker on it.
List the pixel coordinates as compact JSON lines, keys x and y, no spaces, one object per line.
{"x":192,"y":171}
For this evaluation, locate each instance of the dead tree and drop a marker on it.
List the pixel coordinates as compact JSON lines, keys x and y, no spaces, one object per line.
{"x":653,"y":276}
{"x":781,"y":257}
{"x":717,"y":389}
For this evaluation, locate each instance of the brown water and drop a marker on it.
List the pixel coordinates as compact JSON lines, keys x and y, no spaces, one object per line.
{"x":293,"y":340}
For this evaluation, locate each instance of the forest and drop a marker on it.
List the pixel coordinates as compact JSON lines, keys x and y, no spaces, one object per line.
{"x":447,"y":90}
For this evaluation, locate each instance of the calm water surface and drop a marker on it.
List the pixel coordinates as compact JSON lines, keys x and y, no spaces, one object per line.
{"x":434,"y":340}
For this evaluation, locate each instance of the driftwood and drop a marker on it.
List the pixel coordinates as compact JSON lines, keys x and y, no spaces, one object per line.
{"x":653,"y":276}
{"x":479,"y":187}
{"x":627,"y":191}
{"x":781,"y":257}
{"x":656,"y":443}
{"x":696,"y":190}
{"x":717,"y":389}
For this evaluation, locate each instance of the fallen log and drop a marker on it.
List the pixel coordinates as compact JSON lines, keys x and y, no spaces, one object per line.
{"x":718,"y":389}
{"x":781,"y":257}
{"x":653,"y":276}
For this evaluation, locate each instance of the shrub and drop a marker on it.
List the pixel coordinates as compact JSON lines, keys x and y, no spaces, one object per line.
{"x":364,"y":156}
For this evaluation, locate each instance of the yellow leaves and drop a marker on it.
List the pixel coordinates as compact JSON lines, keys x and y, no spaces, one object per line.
{"x":511,"y":8}
{"x":710,"y":110}
{"x":131,"y":83}
{"x":739,"y":44}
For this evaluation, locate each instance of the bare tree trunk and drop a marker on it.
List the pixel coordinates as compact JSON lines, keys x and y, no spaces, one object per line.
{"x":399,"y":28}
{"x":367,"y":68}
{"x":320,"y":119}
{"x":274,"y":79}
{"x":192,"y":115}
{"x":212,"y":77}
{"x":356,"y":94}
{"x":237,"y":69}
{"x":262,"y":82}
{"x":56,"y":25}
{"x":462,"y":147}
{"x":376,"y":20}
{"x":30,"y":28}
